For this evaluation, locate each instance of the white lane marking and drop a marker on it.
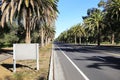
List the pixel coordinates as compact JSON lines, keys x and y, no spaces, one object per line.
{"x":100,"y":58}
{"x":85,"y":77}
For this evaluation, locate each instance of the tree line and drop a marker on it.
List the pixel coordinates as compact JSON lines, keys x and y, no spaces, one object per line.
{"x":26,"y":21}
{"x":100,"y":25}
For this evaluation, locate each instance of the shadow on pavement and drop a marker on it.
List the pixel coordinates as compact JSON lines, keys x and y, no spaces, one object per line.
{"x":107,"y":61}
{"x":88,"y":48}
{"x":78,"y":48}
{"x":41,"y":78}
{"x":98,"y":62}
{"x":6,"y":51}
{"x":10,"y":66}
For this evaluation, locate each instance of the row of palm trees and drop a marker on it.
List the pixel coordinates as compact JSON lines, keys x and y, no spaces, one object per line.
{"x":101,"y":25}
{"x":31,"y":14}
{"x":71,"y":35}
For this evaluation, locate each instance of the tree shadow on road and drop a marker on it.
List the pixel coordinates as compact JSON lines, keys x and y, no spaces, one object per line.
{"x":86,"y":48}
{"x":6,"y":51}
{"x":98,"y":63}
{"x":10,"y":66}
{"x":78,"y":50}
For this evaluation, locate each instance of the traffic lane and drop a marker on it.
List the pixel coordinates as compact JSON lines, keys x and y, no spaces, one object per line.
{"x":70,"y":73}
{"x":96,"y":65}
{"x":110,"y":49}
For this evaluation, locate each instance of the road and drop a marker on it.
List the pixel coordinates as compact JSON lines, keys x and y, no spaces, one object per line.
{"x":88,"y":62}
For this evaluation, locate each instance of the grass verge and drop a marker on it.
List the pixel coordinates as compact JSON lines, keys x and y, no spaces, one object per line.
{"x":26,"y":69}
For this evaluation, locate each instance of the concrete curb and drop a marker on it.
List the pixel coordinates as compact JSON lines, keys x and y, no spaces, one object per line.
{"x":51,"y":77}
{"x":56,"y":72}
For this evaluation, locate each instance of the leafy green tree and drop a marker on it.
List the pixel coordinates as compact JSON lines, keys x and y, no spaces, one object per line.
{"x":9,"y":36}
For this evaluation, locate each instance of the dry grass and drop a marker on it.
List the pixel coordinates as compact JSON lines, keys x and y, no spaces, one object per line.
{"x":26,"y":69}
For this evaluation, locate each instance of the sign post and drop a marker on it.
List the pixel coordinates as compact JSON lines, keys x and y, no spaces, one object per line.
{"x":37,"y":56}
{"x":14,"y":60}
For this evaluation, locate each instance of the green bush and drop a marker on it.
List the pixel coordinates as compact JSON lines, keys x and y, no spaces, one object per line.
{"x":8,"y":39}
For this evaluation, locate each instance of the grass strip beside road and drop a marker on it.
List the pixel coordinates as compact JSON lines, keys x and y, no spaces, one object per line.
{"x":25,"y":69}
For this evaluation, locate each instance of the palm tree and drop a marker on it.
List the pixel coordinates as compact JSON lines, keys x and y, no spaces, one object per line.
{"x":113,"y":16}
{"x":30,"y":13}
{"x":50,"y":32}
{"x":74,"y":31}
{"x":78,"y":31}
{"x":94,"y":22}
{"x":47,"y":33}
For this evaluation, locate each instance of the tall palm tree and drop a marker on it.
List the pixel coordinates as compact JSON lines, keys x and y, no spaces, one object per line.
{"x":49,"y":35}
{"x":80,"y":32}
{"x":77,"y":31}
{"x":29,"y":13}
{"x":94,"y":22}
{"x":113,"y":16}
{"x":74,"y":32}
{"x":46,"y":32}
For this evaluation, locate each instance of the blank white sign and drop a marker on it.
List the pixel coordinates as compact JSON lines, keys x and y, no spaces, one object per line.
{"x":25,"y":51}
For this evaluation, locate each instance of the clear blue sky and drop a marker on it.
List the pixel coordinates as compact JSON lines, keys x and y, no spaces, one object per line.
{"x":71,"y":12}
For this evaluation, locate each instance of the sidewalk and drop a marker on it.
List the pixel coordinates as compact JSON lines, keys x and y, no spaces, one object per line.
{"x":56,"y":72}
{"x":4,"y":56}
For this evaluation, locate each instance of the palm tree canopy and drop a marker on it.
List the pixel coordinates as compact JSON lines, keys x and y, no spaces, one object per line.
{"x":78,"y":30}
{"x":94,"y":19}
{"x":18,"y":10}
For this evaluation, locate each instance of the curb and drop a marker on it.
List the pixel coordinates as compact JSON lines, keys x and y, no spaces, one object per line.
{"x":56,"y":72}
{"x":51,"y":72}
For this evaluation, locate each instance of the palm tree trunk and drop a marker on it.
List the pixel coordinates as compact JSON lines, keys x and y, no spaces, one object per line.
{"x":98,"y":37}
{"x":98,"y":42}
{"x":113,"y":38}
{"x":87,"y":40}
{"x":28,"y":38}
{"x":80,"y":40}
{"x":46,"y":40}
{"x":49,"y":40}
{"x":75,"y":39}
{"x":42,"y":37}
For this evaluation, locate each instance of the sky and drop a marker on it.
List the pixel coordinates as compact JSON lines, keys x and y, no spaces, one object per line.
{"x":71,"y":12}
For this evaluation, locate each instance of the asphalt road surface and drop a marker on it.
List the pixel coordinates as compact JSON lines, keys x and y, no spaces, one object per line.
{"x":88,"y":62}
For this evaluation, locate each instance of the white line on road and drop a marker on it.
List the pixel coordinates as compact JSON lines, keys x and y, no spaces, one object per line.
{"x":85,"y":77}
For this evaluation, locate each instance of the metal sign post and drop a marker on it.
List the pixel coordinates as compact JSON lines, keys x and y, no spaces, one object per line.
{"x":37,"y":56}
{"x":14,"y":60}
